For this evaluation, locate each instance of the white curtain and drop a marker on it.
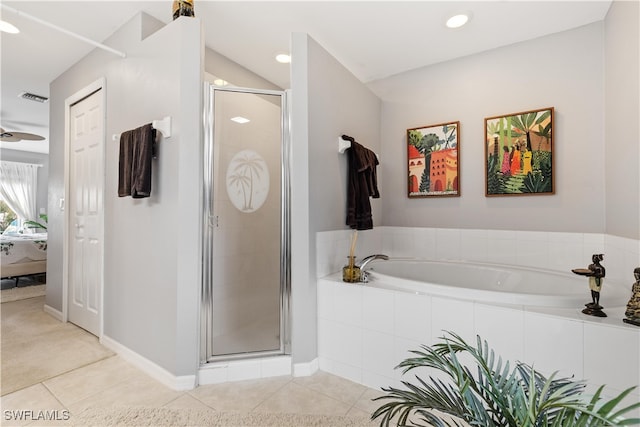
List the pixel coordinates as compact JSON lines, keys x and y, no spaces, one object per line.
{"x":18,"y":186}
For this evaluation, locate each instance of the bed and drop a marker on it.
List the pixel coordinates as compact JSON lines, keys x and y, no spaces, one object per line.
{"x":23,"y":255}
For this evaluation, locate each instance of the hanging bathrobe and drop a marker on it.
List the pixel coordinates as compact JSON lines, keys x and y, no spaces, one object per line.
{"x":362,"y":184}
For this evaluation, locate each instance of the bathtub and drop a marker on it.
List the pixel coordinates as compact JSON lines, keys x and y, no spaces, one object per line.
{"x":365,"y":330}
{"x":492,"y":283}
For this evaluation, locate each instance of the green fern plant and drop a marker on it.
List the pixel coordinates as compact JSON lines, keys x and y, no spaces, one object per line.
{"x":496,"y":396}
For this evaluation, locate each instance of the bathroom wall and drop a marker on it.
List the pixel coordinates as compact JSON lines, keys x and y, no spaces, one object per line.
{"x":152,"y":246}
{"x":563,"y":70}
{"x":234,"y":73}
{"x":43,"y":172}
{"x":327,"y":101}
{"x":622,"y":119}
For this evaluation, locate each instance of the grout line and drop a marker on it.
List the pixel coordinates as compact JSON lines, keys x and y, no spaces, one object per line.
{"x":182,"y":394}
{"x":59,"y":374}
{"x":199,"y":400}
{"x":270,"y":395}
{"x":311,"y":390}
{"x":93,"y":393}
{"x":359,"y":398}
{"x":54,"y":396}
{"x":351,"y":405}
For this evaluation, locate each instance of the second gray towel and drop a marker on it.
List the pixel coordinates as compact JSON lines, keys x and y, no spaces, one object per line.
{"x":136,"y":154}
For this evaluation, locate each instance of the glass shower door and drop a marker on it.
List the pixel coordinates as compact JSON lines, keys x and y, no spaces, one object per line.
{"x":245,"y":292}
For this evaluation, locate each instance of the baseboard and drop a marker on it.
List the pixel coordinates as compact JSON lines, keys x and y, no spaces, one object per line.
{"x":56,"y":314}
{"x":240,"y":370}
{"x":184,"y":382}
{"x":306,"y":369}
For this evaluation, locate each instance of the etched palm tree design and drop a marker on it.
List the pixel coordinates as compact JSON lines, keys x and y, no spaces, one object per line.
{"x":246,"y":168}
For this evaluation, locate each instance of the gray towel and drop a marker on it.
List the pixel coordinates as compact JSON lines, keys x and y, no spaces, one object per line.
{"x":136,"y":154}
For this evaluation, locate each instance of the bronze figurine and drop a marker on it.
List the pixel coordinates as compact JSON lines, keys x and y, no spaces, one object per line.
{"x":595,"y":272}
{"x":632,"y":313}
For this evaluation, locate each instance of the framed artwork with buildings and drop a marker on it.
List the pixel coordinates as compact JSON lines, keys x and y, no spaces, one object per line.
{"x":519,"y":153}
{"x":433,"y":160}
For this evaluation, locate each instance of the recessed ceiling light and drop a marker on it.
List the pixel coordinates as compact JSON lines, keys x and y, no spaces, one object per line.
{"x":220,"y":82}
{"x":8,"y":28}
{"x":457,"y":21}
{"x":283,"y":58}
{"x":240,"y":119}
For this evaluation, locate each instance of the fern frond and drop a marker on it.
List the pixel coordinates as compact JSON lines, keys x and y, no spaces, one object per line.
{"x":494,"y":395}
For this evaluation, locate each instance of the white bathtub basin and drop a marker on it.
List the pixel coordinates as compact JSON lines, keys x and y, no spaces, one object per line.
{"x":499,"y":284}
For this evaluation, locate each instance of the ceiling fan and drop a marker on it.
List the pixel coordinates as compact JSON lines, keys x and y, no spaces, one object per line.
{"x":18,"y":136}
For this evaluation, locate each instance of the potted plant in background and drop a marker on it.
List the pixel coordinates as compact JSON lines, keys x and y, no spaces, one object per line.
{"x":34,"y":224}
{"x":495,"y":395}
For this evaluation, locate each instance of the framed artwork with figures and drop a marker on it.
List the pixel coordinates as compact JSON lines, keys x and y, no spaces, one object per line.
{"x":519,"y":153}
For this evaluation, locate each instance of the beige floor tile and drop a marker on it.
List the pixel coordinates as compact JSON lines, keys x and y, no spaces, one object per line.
{"x":240,"y":395}
{"x":60,"y":351}
{"x":77,"y":372}
{"x":296,"y":399}
{"x":25,"y":406}
{"x":333,"y":386}
{"x":60,"y":421}
{"x":37,"y":347}
{"x":21,"y":306}
{"x":26,"y":319}
{"x":366,"y":402}
{"x":139,"y":390}
{"x":186,"y":401}
{"x":94,"y":378}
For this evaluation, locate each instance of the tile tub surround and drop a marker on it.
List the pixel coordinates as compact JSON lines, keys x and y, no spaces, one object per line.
{"x":364,"y":332}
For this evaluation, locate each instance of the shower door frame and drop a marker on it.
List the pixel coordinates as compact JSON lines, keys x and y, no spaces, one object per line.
{"x":210,"y":223}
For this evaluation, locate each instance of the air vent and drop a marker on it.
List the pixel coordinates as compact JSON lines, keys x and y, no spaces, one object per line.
{"x":33,"y":97}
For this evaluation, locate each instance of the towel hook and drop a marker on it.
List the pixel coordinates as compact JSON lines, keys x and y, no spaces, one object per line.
{"x":343,"y":145}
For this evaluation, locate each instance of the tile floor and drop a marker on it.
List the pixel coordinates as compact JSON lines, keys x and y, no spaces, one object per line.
{"x":90,"y":376}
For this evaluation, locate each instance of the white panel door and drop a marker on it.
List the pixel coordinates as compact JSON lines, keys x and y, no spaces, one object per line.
{"x":86,"y":212}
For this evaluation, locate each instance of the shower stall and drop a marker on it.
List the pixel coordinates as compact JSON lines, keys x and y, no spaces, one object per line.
{"x":246,"y":259}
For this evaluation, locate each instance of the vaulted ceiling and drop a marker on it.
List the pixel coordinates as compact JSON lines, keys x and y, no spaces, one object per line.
{"x":373,"y":39}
